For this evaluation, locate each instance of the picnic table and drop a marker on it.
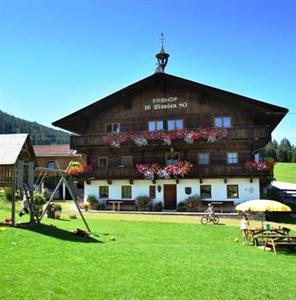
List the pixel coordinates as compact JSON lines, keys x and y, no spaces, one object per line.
{"x":257,"y":233}
{"x":275,"y":240}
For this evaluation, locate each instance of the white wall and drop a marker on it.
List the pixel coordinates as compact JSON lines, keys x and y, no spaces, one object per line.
{"x":247,"y":190}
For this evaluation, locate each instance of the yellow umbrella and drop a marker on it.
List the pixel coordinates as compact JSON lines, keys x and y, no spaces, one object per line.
{"x":262,"y":206}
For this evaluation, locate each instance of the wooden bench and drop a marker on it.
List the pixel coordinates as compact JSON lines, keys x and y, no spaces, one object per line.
{"x":259,"y":234}
{"x":120,"y":203}
{"x":280,"y":240}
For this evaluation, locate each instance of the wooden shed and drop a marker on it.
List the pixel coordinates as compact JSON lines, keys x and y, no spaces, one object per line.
{"x":17,"y":163}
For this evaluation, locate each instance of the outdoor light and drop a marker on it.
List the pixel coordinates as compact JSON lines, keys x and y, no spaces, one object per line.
{"x":159,"y":188}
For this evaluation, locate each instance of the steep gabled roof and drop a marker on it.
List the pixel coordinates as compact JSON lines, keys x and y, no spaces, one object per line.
{"x":11,"y":146}
{"x":73,"y":122}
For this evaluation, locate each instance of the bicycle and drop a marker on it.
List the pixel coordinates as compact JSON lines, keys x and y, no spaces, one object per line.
{"x":208,"y":219}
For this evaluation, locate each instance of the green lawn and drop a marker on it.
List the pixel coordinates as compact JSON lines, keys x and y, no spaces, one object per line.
{"x":285,"y":172}
{"x":152,"y":257}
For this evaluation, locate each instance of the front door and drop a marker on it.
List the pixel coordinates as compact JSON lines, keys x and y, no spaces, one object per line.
{"x":170,"y":196}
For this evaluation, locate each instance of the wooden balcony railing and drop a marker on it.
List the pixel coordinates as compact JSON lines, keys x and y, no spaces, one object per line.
{"x":209,"y":171}
{"x":233,"y":134}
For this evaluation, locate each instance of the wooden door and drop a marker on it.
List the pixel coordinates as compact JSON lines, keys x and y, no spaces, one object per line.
{"x":170,"y":196}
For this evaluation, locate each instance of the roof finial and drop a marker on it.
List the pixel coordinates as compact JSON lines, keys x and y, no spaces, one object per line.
{"x":162,"y":57}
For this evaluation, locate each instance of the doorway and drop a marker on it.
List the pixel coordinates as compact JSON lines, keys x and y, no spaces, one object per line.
{"x":170,"y":196}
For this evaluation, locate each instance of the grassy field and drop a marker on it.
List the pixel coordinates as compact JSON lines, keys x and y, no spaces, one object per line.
{"x":152,"y":257}
{"x":285,"y":172}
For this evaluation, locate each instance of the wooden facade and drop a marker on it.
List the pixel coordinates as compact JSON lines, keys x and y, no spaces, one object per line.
{"x":166,"y":98}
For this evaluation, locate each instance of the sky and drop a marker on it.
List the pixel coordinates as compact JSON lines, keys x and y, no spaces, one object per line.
{"x":57,"y":56}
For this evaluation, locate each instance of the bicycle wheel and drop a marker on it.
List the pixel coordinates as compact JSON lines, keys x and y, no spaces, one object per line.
{"x":204,"y":220}
{"x":216,"y":220}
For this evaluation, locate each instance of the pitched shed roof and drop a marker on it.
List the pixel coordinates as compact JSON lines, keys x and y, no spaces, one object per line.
{"x":54,"y":150}
{"x":10,"y":147}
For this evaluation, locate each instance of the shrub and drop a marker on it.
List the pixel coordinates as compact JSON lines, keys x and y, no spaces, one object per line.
{"x":193,"y":203}
{"x":93,"y":201}
{"x":182,"y":206}
{"x":101,"y":205}
{"x":144,"y":203}
{"x":54,"y":210}
{"x":157,"y":206}
{"x":8,"y":193}
{"x":39,"y":199}
{"x":190,"y":204}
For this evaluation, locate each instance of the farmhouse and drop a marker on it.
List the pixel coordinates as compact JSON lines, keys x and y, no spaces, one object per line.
{"x":170,"y":138}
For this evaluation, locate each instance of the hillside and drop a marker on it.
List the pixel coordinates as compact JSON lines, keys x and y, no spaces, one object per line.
{"x":40,"y":135}
{"x":285,"y":172}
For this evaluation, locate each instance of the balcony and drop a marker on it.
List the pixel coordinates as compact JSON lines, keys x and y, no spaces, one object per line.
{"x":236,"y":133}
{"x":209,"y":171}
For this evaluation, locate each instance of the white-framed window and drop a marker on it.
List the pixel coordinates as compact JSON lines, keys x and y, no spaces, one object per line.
{"x":155,"y":125}
{"x":126,"y":192}
{"x":112,"y":127}
{"x":102,"y":161}
{"x":232,"y":157}
{"x":51,"y":165}
{"x":171,"y":158}
{"x":203,"y":158}
{"x":257,"y":157}
{"x":103,"y":191}
{"x":232,"y":191}
{"x":175,"y":124}
{"x":222,"y":122}
{"x":127,"y":161}
{"x":206,"y":191}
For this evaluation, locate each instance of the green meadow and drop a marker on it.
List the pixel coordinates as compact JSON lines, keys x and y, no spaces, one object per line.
{"x":140,"y":257}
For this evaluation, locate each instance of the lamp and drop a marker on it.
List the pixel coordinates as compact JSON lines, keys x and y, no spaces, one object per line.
{"x":159,"y":188}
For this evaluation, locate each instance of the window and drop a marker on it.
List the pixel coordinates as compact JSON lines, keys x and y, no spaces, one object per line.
{"x":152,"y":191}
{"x":223,"y":122}
{"x":104,"y":191}
{"x":126,"y":192}
{"x":232,"y":158}
{"x":112,"y":127}
{"x":51,"y":165}
{"x":127,"y":161}
{"x":155,"y":125}
{"x":232,"y":191}
{"x":175,"y":124}
{"x":206,"y":191}
{"x":257,"y":157}
{"x":102,"y":161}
{"x":203,"y":158}
{"x":172,"y":158}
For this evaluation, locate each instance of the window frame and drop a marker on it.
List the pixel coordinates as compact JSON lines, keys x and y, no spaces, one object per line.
{"x":98,"y":161}
{"x":130,"y":191}
{"x":155,"y":122}
{"x":227,"y":191}
{"x":175,"y":124}
{"x":100,"y":191}
{"x":170,"y":153}
{"x":152,"y":194}
{"x":112,"y":127}
{"x":131,"y":161}
{"x":200,"y":161}
{"x":200,"y":191}
{"x":222,"y":123}
{"x":50,"y":164}
{"x":228,"y":158}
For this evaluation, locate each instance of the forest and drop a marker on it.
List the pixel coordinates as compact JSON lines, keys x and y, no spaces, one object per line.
{"x":39,"y":134}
